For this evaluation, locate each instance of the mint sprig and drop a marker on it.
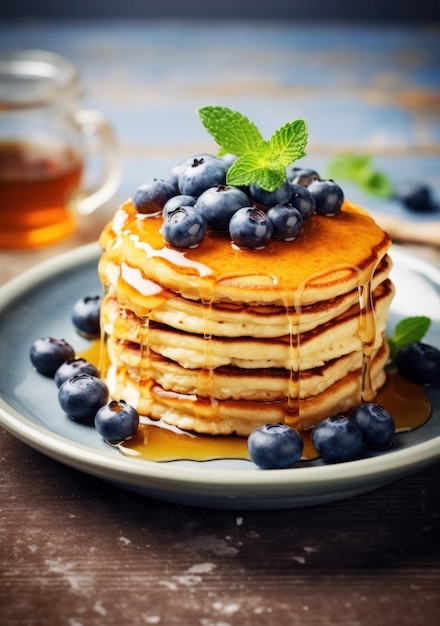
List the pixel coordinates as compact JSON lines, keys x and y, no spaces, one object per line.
{"x":259,"y":161}
{"x":360,"y":169}
{"x":408,"y":330}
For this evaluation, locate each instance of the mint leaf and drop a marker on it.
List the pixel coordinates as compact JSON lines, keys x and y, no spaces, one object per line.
{"x":359,"y":169}
{"x":253,"y":169}
{"x":234,"y":132}
{"x":259,"y":161}
{"x":408,"y":330}
{"x":288,"y":143}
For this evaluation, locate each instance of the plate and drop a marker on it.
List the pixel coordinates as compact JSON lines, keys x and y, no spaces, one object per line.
{"x":38,"y":303}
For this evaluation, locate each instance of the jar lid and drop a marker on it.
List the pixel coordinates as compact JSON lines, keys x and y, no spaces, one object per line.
{"x":36,"y":78}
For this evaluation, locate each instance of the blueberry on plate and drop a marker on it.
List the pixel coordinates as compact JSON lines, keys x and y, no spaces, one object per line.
{"x":328,"y":197}
{"x":275,"y":446}
{"x":286,"y":220}
{"x":81,"y":396}
{"x":86,"y":316}
{"x":302,"y":199}
{"x":419,"y":363}
{"x":201,"y":174}
{"x":117,"y":421}
{"x":270,"y":198}
{"x":178,"y":168}
{"x":337,"y":439}
{"x":250,"y":228}
{"x":73,"y":367}
{"x":184,"y":227}
{"x":376,"y":424}
{"x":218,"y":205}
{"x":47,"y":354}
{"x":152,"y":195}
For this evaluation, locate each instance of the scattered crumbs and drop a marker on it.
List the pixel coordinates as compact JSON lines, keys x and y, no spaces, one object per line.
{"x":362,"y":598}
{"x":74,"y":622}
{"x":299,"y":559}
{"x":151,"y":619}
{"x":239,"y":521}
{"x":98,"y":608}
{"x":124,"y":540}
{"x":169,"y":584}
{"x":310,"y":549}
{"x":226,"y":609}
{"x":261,"y":609}
{"x":201,"y":568}
{"x":305,"y":607}
{"x":32,"y":547}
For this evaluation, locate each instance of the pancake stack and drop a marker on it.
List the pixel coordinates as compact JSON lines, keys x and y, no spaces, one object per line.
{"x":218,"y":340}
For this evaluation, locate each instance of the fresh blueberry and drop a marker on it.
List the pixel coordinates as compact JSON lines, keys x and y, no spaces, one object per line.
{"x":328,"y":197}
{"x":269,"y":198}
{"x":218,"y":205}
{"x":184,"y":227}
{"x":201,"y":174}
{"x":117,"y":421}
{"x":301,"y":176}
{"x":152,"y":195}
{"x":178,"y":168}
{"x":250,"y":228}
{"x":73,"y":367}
{"x":229,"y":159}
{"x":419,"y":363}
{"x":302,"y":199}
{"x":86,"y":316}
{"x":415,"y":197}
{"x":47,"y":354}
{"x":177,"y":201}
{"x":337,"y":439}
{"x":275,"y":446}
{"x":81,"y":396}
{"x":376,"y":424}
{"x":287,"y":222}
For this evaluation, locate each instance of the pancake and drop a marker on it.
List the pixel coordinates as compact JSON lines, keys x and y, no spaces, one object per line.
{"x":219,"y":340}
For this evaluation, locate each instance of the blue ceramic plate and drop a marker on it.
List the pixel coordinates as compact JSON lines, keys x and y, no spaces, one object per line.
{"x":38,"y":303}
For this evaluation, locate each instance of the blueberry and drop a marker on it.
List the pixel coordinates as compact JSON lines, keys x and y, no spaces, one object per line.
{"x":47,"y":354}
{"x":73,"y":367}
{"x":337,"y":439}
{"x":302,"y":199}
{"x":301,"y":176}
{"x":270,"y":198}
{"x":275,"y":446}
{"x":81,"y":396}
{"x":415,"y":197}
{"x":376,"y":424}
{"x":218,"y":204}
{"x":328,"y":197}
{"x":287,"y":222}
{"x":177,"y":201}
{"x":419,"y":363}
{"x":152,"y":195}
{"x":86,"y":316}
{"x":117,"y":421}
{"x":184,"y":227}
{"x":250,"y":228}
{"x":178,"y":168}
{"x":201,"y":174}
{"x":229,"y":159}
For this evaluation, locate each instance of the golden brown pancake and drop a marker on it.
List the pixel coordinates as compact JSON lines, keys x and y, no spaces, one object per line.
{"x":220,"y":340}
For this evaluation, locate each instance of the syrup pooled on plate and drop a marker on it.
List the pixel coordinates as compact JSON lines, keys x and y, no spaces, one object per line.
{"x":405,"y":401}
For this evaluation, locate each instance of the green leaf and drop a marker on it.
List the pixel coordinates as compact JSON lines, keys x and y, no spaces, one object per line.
{"x":408,"y":330}
{"x":232,"y":131}
{"x":253,"y":169}
{"x":288,"y":143}
{"x":359,"y":169}
{"x":259,"y":161}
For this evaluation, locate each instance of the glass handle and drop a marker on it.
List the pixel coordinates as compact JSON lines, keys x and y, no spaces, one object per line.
{"x":102,"y":146}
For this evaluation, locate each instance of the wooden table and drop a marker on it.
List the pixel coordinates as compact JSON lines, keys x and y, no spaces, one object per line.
{"x":76,"y":551}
